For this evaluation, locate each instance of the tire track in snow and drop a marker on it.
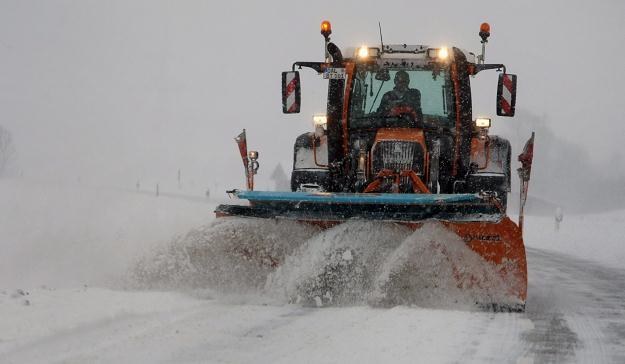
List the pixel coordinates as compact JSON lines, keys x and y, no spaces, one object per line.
{"x":577,"y":310}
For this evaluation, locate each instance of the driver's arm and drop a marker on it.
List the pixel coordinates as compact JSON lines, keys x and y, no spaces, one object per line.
{"x":416,"y":102}
{"x":385,"y":104}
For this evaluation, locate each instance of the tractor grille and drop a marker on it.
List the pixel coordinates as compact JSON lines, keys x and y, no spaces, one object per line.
{"x":398,"y":156}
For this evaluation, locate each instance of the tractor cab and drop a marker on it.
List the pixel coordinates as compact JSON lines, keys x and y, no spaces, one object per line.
{"x":399,"y":120}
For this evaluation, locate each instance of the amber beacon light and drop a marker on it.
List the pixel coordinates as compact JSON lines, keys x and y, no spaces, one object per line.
{"x":484,"y":31}
{"x":326,"y":28}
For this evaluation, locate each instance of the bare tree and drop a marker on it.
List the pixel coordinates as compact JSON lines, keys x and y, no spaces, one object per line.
{"x":7,"y":153}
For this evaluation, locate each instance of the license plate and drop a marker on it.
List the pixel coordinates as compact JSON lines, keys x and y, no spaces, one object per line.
{"x":333,"y":73}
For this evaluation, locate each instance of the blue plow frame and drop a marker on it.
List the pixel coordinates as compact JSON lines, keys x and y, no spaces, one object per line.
{"x":336,"y":207}
{"x":358,"y":198}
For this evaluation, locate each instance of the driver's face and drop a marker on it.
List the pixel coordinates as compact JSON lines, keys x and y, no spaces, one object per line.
{"x":401,"y":84}
{"x":402,"y":81}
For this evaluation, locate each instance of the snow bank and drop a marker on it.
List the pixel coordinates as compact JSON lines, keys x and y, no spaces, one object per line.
{"x":388,"y":264}
{"x":353,"y":263}
{"x":433,"y":267}
{"x":231,"y":254}
{"x":345,"y":258}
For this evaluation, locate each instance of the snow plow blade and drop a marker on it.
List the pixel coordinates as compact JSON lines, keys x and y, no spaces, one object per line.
{"x":475,"y":219}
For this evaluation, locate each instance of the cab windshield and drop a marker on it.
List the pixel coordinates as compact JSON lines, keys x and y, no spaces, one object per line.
{"x":400,"y":97}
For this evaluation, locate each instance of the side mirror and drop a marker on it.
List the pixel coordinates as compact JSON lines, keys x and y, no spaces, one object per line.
{"x":506,"y":94}
{"x":291,"y":93}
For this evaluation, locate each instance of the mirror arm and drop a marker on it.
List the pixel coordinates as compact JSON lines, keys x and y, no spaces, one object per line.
{"x":317,"y":66}
{"x":482,"y":67}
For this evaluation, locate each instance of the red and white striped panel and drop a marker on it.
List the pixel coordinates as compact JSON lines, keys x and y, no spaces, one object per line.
{"x":506,"y":95}
{"x":290,"y":88}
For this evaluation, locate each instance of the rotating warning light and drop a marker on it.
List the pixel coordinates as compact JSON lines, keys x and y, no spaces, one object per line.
{"x":326,"y":28}
{"x":485,"y":31}
{"x":363,"y":52}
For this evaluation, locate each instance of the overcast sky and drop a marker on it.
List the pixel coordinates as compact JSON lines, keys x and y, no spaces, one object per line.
{"x":118,"y":91}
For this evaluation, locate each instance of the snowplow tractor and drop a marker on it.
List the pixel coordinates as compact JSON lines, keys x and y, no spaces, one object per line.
{"x":398,"y":146}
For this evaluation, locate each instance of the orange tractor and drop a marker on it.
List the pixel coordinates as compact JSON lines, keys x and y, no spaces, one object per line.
{"x":399,"y":144}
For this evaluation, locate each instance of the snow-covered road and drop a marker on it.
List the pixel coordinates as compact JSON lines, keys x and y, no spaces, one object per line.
{"x":575,"y":313}
{"x":575,"y":308}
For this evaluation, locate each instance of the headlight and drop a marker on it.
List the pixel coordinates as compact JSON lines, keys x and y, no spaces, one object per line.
{"x":320,"y":120}
{"x":482,"y":122}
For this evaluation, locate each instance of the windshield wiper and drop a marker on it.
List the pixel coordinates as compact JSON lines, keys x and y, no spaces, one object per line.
{"x":376,"y":96}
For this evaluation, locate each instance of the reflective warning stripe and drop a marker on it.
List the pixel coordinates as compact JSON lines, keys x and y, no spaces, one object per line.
{"x":291,"y":82}
{"x":506,"y":95}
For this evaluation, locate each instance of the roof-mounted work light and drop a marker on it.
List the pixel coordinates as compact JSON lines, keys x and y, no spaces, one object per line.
{"x":363,"y":52}
{"x":442,"y":54}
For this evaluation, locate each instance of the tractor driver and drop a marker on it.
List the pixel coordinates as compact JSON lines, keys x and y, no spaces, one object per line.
{"x":402,"y":100}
